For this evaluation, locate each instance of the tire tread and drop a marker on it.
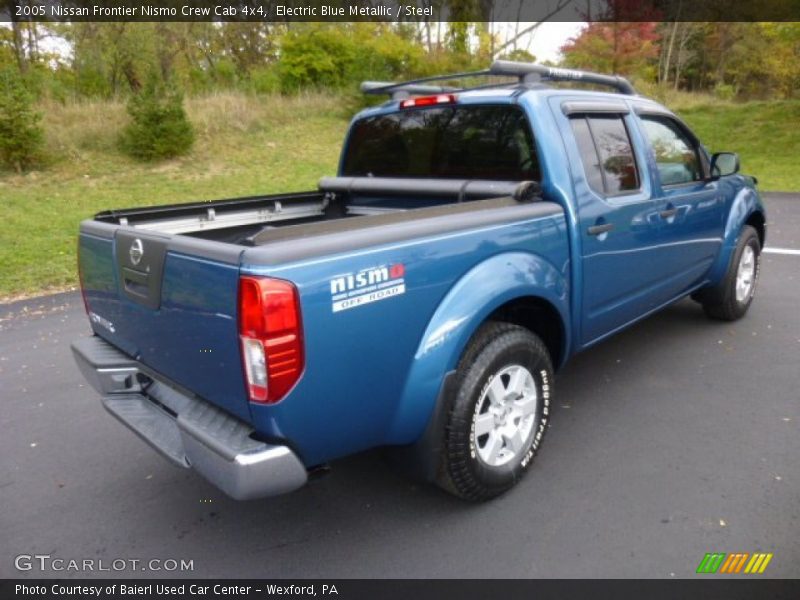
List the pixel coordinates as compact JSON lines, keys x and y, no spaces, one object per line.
{"x":455,"y":475}
{"x":720,"y":302}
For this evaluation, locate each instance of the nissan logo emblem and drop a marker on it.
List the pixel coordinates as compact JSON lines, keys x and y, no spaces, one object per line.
{"x":136,"y":252}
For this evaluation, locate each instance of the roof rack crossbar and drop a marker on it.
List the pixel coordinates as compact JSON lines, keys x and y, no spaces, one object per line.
{"x":403,"y":89}
{"x":398,"y":91}
{"x":526,"y":74}
{"x":532,"y":73}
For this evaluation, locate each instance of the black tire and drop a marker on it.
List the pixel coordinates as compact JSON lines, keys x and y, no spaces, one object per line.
{"x":495,"y":347}
{"x":720,"y":302}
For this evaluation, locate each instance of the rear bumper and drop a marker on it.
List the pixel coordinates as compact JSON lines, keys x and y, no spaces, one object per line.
{"x":187,"y":430}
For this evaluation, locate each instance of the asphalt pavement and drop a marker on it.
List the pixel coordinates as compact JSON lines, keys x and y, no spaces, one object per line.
{"x":677,"y":437}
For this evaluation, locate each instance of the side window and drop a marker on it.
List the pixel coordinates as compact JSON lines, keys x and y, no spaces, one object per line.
{"x":591,"y":162}
{"x":676,"y":155}
{"x":607,"y":154}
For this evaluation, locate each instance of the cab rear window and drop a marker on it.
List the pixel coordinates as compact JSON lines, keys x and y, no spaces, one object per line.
{"x":453,"y":142}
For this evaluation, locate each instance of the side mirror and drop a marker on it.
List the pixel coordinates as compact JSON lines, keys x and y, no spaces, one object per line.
{"x":724,"y":163}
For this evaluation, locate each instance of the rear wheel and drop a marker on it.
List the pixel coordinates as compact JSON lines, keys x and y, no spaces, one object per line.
{"x":730,"y":300}
{"x":498,"y":413}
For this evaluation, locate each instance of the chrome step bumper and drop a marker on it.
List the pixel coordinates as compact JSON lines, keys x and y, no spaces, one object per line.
{"x":187,"y":430}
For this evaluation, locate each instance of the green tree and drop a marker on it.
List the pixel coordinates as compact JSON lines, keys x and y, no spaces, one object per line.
{"x":20,"y":133}
{"x":315,"y":55}
{"x":159,"y":127}
{"x":320,"y":55}
{"x":750,"y":60}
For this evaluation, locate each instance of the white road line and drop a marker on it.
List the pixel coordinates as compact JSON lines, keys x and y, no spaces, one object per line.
{"x":782,"y":251}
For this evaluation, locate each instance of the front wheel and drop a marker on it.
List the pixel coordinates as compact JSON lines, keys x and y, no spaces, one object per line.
{"x":498,"y":413}
{"x":730,"y":300}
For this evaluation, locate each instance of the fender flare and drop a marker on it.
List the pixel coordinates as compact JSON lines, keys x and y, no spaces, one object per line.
{"x":500,"y":279}
{"x":744,"y":205}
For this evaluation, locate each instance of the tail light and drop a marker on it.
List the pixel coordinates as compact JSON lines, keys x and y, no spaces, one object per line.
{"x":428,"y":100}
{"x":271,"y":334}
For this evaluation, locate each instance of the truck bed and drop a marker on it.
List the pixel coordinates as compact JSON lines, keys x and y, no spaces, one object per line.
{"x":162,"y":285}
{"x":341,"y":205}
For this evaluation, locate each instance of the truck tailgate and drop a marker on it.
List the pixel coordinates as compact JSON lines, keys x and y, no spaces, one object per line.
{"x":170,"y":303}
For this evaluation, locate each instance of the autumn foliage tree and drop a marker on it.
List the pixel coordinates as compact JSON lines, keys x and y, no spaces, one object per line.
{"x":754,"y":60}
{"x":626,"y":48}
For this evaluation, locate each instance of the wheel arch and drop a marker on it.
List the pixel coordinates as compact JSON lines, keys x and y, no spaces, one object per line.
{"x":517,"y":287}
{"x":746,"y":209}
{"x":540,"y":317}
{"x":758,"y":222}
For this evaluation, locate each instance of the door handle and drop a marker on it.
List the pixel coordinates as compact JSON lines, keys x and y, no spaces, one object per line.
{"x":670,"y":212}
{"x":598,"y":229}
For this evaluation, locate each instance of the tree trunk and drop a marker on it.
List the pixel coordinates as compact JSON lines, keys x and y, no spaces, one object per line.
{"x":680,"y":60}
{"x":668,"y":58}
{"x":491,"y":36}
{"x":33,"y":42}
{"x":428,"y":37}
{"x":19,"y":45}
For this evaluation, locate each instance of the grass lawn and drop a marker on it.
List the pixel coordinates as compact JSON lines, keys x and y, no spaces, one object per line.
{"x":245,"y":145}
{"x":256,"y":145}
{"x":765,"y":134}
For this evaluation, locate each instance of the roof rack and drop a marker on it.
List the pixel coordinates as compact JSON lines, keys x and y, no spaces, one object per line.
{"x":404,"y":89}
{"x":527,"y":74}
{"x":533,"y":73}
{"x":398,"y":91}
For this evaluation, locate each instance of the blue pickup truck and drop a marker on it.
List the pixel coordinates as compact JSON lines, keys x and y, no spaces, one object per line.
{"x":474,"y":239}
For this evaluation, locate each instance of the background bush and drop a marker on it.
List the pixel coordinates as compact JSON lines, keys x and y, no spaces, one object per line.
{"x":159,"y":126}
{"x":319,"y":56}
{"x":20,"y":133}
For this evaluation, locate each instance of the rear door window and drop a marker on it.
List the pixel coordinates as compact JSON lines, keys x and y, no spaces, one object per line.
{"x":492,"y":142}
{"x":607,"y":154}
